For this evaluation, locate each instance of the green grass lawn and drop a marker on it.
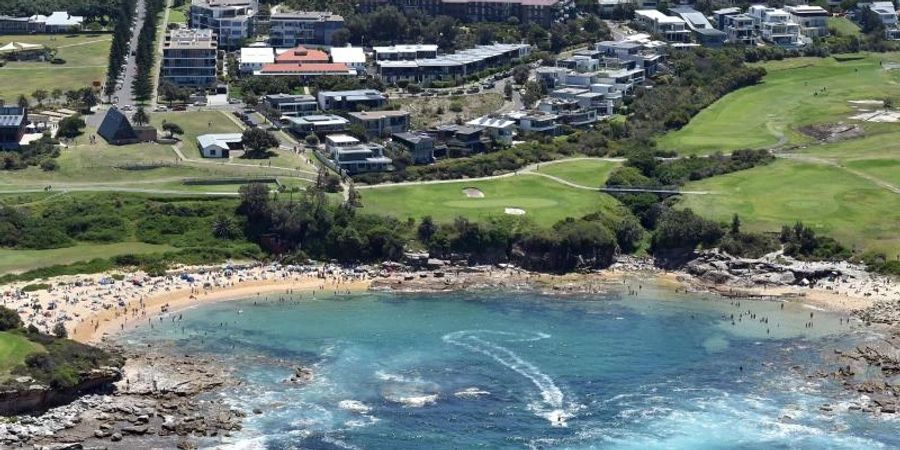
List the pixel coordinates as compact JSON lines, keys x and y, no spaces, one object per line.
{"x":86,"y":58}
{"x":545,"y":201}
{"x":834,"y":202}
{"x":843,"y":26}
{"x":179,"y":14}
{"x":13,"y":350}
{"x":876,"y":154}
{"x":586,"y":172}
{"x":14,"y":261}
{"x":196,"y":123}
{"x":794,"y":93}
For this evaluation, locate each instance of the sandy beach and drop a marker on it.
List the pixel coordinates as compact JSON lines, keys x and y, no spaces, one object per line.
{"x":99,"y":305}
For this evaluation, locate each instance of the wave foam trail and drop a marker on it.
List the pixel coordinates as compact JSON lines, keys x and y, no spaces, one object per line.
{"x":550,"y":393}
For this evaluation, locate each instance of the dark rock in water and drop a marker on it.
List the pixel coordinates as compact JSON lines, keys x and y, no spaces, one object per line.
{"x":257,"y":411}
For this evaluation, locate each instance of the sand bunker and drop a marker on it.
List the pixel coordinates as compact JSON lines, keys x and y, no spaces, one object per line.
{"x":473,"y":193}
{"x":866,"y":102}
{"x":514,"y":211}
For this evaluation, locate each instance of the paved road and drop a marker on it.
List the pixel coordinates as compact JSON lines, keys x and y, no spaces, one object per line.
{"x":123,"y":94}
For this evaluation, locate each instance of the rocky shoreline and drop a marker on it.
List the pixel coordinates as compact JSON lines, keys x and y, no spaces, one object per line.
{"x":161,"y":402}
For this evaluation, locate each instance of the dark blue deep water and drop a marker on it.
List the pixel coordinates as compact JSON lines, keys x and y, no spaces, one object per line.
{"x":513,"y":370}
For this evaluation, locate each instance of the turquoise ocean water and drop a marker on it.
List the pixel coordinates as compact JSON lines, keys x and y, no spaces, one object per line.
{"x":512,"y":370}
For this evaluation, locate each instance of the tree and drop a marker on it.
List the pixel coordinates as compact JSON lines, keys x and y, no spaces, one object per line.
{"x":9,"y":319}
{"x":89,"y":98}
{"x":520,"y":74}
{"x":59,"y":330}
{"x":71,"y":127}
{"x":340,"y":38}
{"x":532,"y":93}
{"x":311,"y":139}
{"x":72,"y":97}
{"x":507,"y":90}
{"x":172,"y":128}
{"x":427,"y":229}
{"x":57,"y":94}
{"x":39,"y":95}
{"x":735,"y":225}
{"x":251,"y":100}
{"x":140,"y":116}
{"x":23,"y":101}
{"x":223,"y":227}
{"x":257,"y":143}
{"x":354,"y":198}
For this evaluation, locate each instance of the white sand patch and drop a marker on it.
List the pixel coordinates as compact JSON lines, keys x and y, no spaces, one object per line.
{"x":514,"y":211}
{"x":473,"y":192}
{"x":866,"y":102}
{"x":878,"y":116}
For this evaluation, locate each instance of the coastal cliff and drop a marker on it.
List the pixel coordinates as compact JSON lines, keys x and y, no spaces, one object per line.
{"x":25,"y":396}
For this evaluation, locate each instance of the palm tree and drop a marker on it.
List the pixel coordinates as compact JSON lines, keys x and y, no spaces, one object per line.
{"x":223,"y":227}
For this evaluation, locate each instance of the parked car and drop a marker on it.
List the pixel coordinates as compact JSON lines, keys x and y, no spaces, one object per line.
{"x":473,"y":90}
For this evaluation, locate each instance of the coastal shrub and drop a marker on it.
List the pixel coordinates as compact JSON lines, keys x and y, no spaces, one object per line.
{"x":9,"y":319}
{"x":879,"y":263}
{"x":63,"y":361}
{"x":35,"y":287}
{"x":801,"y":242}
{"x":683,"y":230}
{"x":748,"y":245}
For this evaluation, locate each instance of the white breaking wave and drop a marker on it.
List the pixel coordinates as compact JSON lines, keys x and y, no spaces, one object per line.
{"x":471,"y":392}
{"x":554,"y":410}
{"x":354,"y":406}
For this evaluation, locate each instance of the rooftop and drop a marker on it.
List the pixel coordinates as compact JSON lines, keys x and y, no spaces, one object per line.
{"x":11,"y":116}
{"x":406,"y":48}
{"x":491,"y":122}
{"x":341,"y":139}
{"x":257,"y":55}
{"x":319,"y":119}
{"x":301,"y":55}
{"x":220,"y":139}
{"x":373,"y":115}
{"x":348,"y":55}
{"x":282,"y":13}
{"x":225,"y":3}
{"x":191,"y":39}
{"x":313,"y":68}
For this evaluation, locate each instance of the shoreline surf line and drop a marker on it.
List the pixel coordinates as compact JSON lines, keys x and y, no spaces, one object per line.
{"x":111,"y":322}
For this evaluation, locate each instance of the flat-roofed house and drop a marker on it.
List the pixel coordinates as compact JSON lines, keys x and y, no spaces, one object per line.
{"x":317,"y":123}
{"x":352,"y":100}
{"x":381,"y":123}
{"x":704,"y":32}
{"x":291,"y":104}
{"x":813,"y":20}
{"x":672,"y":29}
{"x":353,"y":57}
{"x":419,"y":144}
{"x":352,"y":156}
{"x":499,"y":129}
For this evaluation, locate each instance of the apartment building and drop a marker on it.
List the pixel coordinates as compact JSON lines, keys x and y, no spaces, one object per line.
{"x":230,"y":20}
{"x":289,"y":28}
{"x":405,"y":52}
{"x":813,"y":20}
{"x":452,"y":66}
{"x":541,"y":12}
{"x":189,"y":58}
{"x":775,"y":26}
{"x":672,"y":29}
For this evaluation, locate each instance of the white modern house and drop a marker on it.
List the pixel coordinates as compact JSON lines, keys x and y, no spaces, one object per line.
{"x":353,"y":156}
{"x":813,"y":20}
{"x":219,"y":145}
{"x":672,"y":29}
{"x":775,"y":25}
{"x":887,"y":14}
{"x":500,"y":129}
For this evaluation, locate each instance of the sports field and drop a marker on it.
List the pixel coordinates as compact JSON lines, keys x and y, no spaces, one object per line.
{"x":86,"y":55}
{"x":544,"y":201}
{"x":853,"y":209}
{"x":586,"y":172}
{"x":794,"y":93}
